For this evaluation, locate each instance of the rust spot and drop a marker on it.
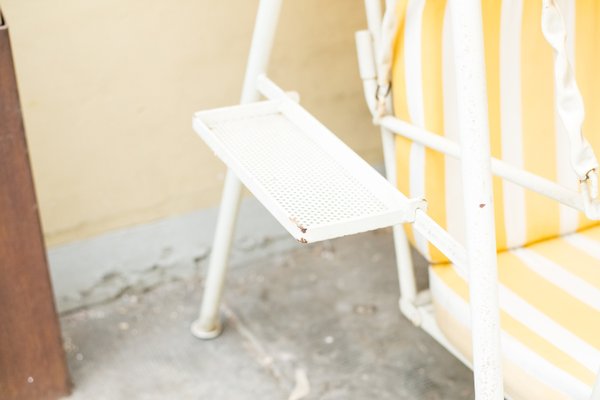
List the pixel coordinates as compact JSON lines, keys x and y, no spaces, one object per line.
{"x":303,"y":241}
{"x":482,"y":205}
{"x":298,"y":225}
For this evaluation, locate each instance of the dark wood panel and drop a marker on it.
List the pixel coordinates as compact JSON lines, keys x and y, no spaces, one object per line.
{"x":32,"y":361}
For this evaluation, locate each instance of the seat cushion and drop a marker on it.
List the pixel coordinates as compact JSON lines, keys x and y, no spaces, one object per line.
{"x":550,"y":315}
{"x":525,"y":130}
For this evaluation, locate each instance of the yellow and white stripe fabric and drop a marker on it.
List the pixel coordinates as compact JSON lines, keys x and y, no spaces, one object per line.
{"x":550,"y":314}
{"x":525,"y":130}
{"x":549,"y":254}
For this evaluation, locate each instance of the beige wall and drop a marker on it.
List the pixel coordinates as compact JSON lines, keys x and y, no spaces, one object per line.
{"x":108,"y":88}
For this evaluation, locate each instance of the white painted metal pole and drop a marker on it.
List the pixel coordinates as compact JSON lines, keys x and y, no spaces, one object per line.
{"x":406,"y":274}
{"x":390,"y":126}
{"x":440,"y":238}
{"x":404,"y":262}
{"x":366,"y":67}
{"x":501,"y":168}
{"x":208,"y":325}
{"x":373,"y":11}
{"x":477,"y":182}
{"x":260,"y":49}
{"x":367,"y":46}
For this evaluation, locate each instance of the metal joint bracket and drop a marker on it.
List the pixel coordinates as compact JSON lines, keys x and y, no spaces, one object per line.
{"x":412,"y":205}
{"x":589,"y":193}
{"x":410,"y":311}
{"x":382,"y":92}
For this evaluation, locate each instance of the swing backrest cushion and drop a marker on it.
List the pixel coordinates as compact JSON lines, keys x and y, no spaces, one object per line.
{"x":524,"y":128}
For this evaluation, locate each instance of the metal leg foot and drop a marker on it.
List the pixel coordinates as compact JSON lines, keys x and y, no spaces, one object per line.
{"x":204,"y":331}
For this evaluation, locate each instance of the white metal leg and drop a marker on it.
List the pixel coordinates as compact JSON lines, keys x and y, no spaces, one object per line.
{"x":406,"y":275}
{"x":208,"y":325}
{"x":404,"y":262}
{"x":477,"y":185}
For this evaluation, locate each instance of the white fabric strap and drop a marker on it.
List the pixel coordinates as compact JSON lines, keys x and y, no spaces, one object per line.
{"x":569,"y":101}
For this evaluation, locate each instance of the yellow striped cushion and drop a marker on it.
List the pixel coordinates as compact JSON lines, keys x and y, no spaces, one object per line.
{"x":524,"y":128}
{"x":550,"y":309}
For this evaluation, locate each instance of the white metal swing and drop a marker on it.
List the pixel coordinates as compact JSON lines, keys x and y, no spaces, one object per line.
{"x":318,"y":189}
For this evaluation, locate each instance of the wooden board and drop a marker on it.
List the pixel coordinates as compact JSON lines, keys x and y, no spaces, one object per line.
{"x":32,"y":361}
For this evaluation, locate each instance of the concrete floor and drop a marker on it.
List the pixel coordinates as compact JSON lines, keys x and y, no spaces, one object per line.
{"x":318,"y":322}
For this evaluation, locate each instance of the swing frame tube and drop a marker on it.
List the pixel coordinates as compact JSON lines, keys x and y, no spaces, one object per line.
{"x":208,"y":325}
{"x":480,"y":253}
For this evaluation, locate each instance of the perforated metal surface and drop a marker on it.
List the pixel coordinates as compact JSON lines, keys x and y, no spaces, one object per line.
{"x":285,"y":164}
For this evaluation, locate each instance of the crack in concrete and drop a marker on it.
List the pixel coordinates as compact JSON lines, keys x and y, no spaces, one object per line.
{"x":113,"y":285}
{"x":257,"y":349}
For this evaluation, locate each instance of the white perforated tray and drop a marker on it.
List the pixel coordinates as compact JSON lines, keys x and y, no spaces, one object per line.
{"x":313,"y":184}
